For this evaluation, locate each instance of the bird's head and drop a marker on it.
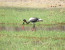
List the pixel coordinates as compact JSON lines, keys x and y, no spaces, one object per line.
{"x":23,"y":23}
{"x":24,"y":20}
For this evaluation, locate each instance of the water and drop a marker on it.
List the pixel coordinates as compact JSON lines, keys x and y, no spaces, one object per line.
{"x":28,"y":28}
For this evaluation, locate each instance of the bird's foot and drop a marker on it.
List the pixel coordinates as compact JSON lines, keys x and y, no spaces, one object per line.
{"x":33,"y":29}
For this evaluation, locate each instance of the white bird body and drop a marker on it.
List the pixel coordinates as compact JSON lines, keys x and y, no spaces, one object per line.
{"x":32,"y":19}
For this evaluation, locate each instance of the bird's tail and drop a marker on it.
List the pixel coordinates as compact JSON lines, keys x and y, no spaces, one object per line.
{"x":40,"y":20}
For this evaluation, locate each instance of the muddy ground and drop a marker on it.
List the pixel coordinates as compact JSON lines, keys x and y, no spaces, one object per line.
{"x":28,"y":28}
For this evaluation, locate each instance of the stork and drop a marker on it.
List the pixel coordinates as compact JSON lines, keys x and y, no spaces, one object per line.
{"x":33,"y":20}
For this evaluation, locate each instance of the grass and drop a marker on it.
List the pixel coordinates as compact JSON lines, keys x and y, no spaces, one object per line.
{"x":16,"y":15}
{"x":31,"y":40}
{"x":17,"y":41}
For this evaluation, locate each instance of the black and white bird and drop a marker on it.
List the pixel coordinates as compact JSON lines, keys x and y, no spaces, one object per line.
{"x":33,"y":20}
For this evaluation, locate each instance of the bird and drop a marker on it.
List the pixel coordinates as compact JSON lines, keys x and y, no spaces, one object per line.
{"x":33,"y":20}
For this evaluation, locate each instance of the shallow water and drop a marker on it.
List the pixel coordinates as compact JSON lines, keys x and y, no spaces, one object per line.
{"x":27,"y":28}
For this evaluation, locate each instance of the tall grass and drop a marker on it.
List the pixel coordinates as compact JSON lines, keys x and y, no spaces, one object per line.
{"x":16,"y":15}
{"x":26,"y":40}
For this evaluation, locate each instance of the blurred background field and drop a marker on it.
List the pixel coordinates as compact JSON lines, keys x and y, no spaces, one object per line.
{"x":33,"y":3}
{"x":49,"y":35}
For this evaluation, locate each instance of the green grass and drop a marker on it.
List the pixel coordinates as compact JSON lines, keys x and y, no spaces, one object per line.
{"x":31,"y":40}
{"x":17,"y":41}
{"x":16,"y":15}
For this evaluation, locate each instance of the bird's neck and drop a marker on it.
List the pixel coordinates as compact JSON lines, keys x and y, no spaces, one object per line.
{"x":27,"y":22}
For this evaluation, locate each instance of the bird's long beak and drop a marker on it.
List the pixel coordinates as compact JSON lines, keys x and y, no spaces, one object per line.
{"x":23,"y":25}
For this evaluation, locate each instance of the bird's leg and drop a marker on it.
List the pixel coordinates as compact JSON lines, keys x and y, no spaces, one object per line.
{"x":33,"y":29}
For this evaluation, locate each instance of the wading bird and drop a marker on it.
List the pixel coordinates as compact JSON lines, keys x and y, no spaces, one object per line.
{"x":33,"y":20}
